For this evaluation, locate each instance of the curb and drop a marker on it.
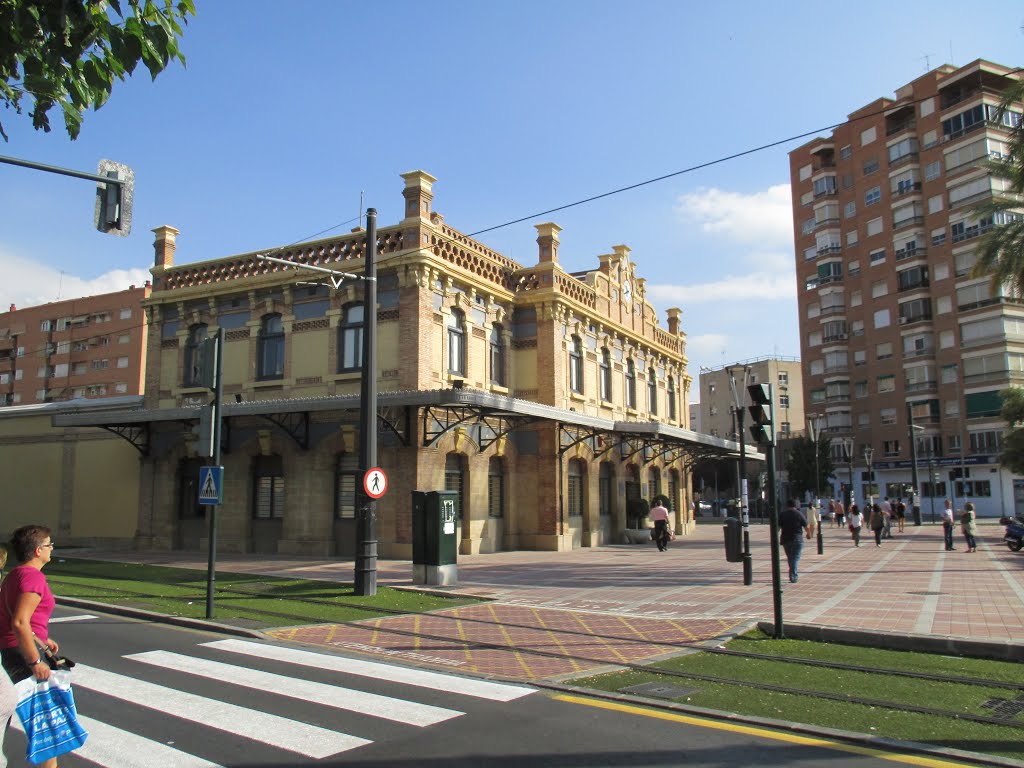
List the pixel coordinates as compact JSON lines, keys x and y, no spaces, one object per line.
{"x":999,"y":650}
{"x":160,"y":618}
{"x":864,"y":739}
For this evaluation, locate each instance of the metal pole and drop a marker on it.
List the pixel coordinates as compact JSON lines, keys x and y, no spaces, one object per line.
{"x":366,"y":524}
{"x":914,"y":505}
{"x":931,"y":471}
{"x":963,"y":443}
{"x":62,"y":171}
{"x":774,"y":532}
{"x":211,"y":563}
{"x":748,"y":569}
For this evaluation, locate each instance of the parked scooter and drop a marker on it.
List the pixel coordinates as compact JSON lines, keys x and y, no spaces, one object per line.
{"x":1014,"y":537}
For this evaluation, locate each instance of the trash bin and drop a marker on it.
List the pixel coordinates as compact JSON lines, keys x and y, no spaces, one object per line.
{"x":733,"y":530}
{"x":434,"y":537}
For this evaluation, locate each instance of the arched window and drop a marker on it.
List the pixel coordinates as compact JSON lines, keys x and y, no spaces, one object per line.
{"x":196,"y":336}
{"x":350,"y":338}
{"x":671,"y":394}
{"x":346,"y":475}
{"x":457,"y":342}
{"x":605,"y":487}
{"x":652,"y":390}
{"x":630,"y":384}
{"x":497,"y":355}
{"x":271,"y":348}
{"x":606,"y":376}
{"x":454,"y":478}
{"x":576,"y":365}
{"x":576,"y":485}
{"x":496,"y":487}
{"x":267,"y":487}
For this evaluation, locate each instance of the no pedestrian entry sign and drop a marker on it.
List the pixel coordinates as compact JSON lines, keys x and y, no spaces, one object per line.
{"x":375,"y":482}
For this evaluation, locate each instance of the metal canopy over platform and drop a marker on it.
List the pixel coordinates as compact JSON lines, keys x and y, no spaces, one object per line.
{"x":488,"y":416}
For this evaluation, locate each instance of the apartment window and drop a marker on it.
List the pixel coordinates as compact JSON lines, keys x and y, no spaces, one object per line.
{"x":122,"y":362}
{"x":915,"y":277}
{"x":805,"y":172}
{"x":630,"y":384}
{"x":99,"y":365}
{"x":826,"y":185}
{"x":497,"y":355}
{"x":851,"y":237}
{"x":63,"y":347}
{"x":877,"y":257}
{"x":495,"y":487}
{"x":783,"y":401}
{"x":860,"y":388}
{"x":606,"y":375}
{"x":935,"y":204}
{"x":849,"y":210}
{"x":457,"y":342}
{"x":988,"y":441}
{"x":881,"y":318}
{"x":902,"y":149}
{"x":891,"y":447}
{"x":880,"y":288}
{"x":886,"y":384}
{"x":870,"y":166}
{"x":350,"y":337}
{"x":652,"y":390}
{"x":125,"y":313}
{"x":867,"y":135}
{"x":671,"y":398}
{"x":939,"y":237}
{"x":872,"y":196}
{"x":79,"y":369}
{"x":271,"y":348}
{"x":41,"y":394}
{"x":918,"y":309}
{"x":268,"y":488}
{"x":103,"y":341}
{"x":44,"y":372}
{"x":120,"y":388}
{"x":576,"y":365}
{"x":46,"y":325}
{"x":883,"y":351}
{"x":874,"y":227}
{"x":784,"y":427}
{"x":846,"y":152}
{"x":124,"y":338}
{"x":932,"y":171}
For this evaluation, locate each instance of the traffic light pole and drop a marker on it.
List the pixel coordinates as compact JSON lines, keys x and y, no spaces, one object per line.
{"x":211,"y":564}
{"x":763,"y":430}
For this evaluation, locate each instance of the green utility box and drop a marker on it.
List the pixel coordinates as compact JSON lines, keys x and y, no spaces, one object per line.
{"x":435,"y":539}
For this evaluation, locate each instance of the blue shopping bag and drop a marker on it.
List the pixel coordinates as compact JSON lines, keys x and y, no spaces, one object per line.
{"x":47,"y":712}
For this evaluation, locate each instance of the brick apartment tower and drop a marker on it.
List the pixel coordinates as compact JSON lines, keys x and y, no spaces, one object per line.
{"x":889,"y":315}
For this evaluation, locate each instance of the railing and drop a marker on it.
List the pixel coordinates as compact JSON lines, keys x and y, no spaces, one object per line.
{"x":836,"y":369}
{"x":830,"y":279}
{"x":970,"y":233}
{"x":923,"y":386}
{"x":915,"y":319}
{"x":838,"y":310}
{"x":910,"y":157}
{"x":906,"y":125}
{"x":906,"y":222}
{"x":912,"y":286}
{"x":928,"y":351}
{"x":907,"y":190}
{"x":826,"y":223}
{"x":834,"y":337}
{"x":978,"y":378}
{"x":909,"y":253}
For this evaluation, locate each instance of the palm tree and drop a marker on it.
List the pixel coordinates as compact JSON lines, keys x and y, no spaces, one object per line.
{"x":1001,"y":250}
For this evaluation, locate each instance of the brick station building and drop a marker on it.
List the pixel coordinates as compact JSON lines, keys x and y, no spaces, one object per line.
{"x":546,"y":399}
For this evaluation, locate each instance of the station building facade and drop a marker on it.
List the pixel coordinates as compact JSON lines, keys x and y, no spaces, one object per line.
{"x":545,"y":399}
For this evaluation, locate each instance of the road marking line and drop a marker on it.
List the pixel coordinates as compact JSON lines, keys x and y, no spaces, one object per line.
{"x":852,"y":586}
{"x":930,"y":604}
{"x":511,"y":644}
{"x":375,"y":705}
{"x":108,"y":745}
{"x":765,"y":733}
{"x":481,"y":689}
{"x":80,"y":617}
{"x":294,"y":736}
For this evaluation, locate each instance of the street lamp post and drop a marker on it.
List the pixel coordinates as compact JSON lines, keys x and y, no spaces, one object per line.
{"x":748,"y":570}
{"x":848,"y":453}
{"x":814,"y":427}
{"x":869,"y":454}
{"x":915,"y":507}
{"x":935,"y":481}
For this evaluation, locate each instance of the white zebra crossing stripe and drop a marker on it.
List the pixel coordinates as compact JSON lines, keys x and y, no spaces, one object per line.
{"x":302,"y":738}
{"x":481,"y":689}
{"x":78,"y":617}
{"x":399,"y":710}
{"x":108,"y":745}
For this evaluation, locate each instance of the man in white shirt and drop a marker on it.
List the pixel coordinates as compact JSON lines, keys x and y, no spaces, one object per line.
{"x":947,"y":525}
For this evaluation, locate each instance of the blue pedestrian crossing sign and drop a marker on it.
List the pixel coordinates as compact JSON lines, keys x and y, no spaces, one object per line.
{"x":211,"y":485}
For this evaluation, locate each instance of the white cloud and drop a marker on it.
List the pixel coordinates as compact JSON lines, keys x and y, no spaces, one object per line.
{"x":765,"y":217}
{"x":706,"y":346}
{"x":770,"y":286}
{"x":27,"y":283}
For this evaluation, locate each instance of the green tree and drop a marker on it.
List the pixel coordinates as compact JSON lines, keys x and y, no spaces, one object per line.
{"x":801,"y":466}
{"x":1012,"y":456}
{"x":69,"y":52}
{"x":1001,"y":250}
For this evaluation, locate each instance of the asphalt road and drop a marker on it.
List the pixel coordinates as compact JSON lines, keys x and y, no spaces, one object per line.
{"x":155,"y":695}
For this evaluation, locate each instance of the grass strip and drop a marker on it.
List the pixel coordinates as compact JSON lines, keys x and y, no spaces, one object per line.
{"x":256,"y":600}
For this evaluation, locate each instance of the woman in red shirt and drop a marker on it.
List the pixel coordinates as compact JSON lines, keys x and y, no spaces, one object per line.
{"x":26,"y":604}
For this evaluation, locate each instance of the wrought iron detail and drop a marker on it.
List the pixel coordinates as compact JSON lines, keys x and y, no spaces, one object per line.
{"x":487,"y":426}
{"x":136,"y":434}
{"x":395,"y":419}
{"x":295,"y":425}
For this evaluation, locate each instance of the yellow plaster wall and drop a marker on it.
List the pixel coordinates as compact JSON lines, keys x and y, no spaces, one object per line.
{"x":236,"y":361}
{"x":30,"y":474}
{"x":309,"y":354}
{"x":387,"y":346}
{"x":106,"y":489}
{"x":524,"y":368}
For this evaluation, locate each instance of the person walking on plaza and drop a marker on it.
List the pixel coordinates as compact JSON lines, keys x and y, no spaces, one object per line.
{"x":901,"y":515}
{"x":791,"y":536}
{"x":856,"y":522}
{"x":887,"y":513}
{"x":660,"y":517}
{"x":26,"y":604}
{"x":831,"y":512}
{"x":947,"y":525}
{"x":840,"y":513}
{"x":968,"y":524}
{"x":877,"y":523}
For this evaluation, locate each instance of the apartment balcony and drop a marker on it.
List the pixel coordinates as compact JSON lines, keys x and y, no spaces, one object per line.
{"x":928,"y":351}
{"x":907,"y":222}
{"x":923,"y":386}
{"x":910,"y":253}
{"x":833,"y":222}
{"x":838,"y":398}
{"x":836,"y":369}
{"x":834,"y":337}
{"x":838,"y":310}
{"x":969,"y":233}
{"x":907,"y":159}
{"x":912,"y":286}
{"x":989,"y":302}
{"x":971,"y":199}
{"x":915,"y":319}
{"x":1011,"y":377}
{"x":827,"y":279}
{"x":906,"y":189}
{"x":899,"y":127}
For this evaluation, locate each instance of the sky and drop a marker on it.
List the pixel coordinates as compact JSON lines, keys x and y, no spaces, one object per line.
{"x":288,"y":114}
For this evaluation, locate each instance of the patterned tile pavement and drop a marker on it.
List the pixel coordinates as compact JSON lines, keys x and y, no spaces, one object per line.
{"x":596,"y":606}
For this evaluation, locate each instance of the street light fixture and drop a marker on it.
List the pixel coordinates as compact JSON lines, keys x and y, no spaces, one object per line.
{"x":814,"y":427}
{"x":848,"y":454}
